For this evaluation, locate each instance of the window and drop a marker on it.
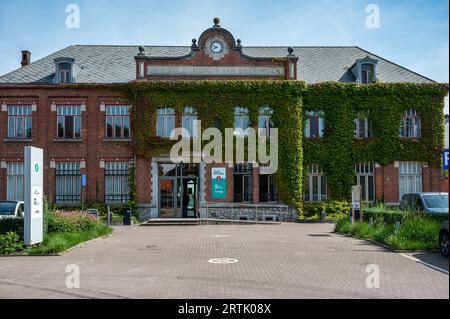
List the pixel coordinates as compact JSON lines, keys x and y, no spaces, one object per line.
{"x":165,"y":122}
{"x":314,"y":125}
{"x":267,"y":189}
{"x":69,"y":121}
{"x":364,"y":176}
{"x":410,"y":126}
{"x":243,"y":182}
{"x":265,"y":123}
{"x":315,"y":184}
{"x":117,"y":121}
{"x":363,"y":128}
{"x":19,"y":121}
{"x":367,"y":73}
{"x":189,"y":121}
{"x":116,"y":182}
{"x":241,"y":121}
{"x":65,"y":72}
{"x":68,"y":183}
{"x":410,"y":174}
{"x":14,"y":171}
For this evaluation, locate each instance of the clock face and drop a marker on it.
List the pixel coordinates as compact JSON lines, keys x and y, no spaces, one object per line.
{"x":216,"y":47}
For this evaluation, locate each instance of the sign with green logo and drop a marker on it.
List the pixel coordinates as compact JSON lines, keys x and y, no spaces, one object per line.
{"x":36,"y":167}
{"x":219,"y":183}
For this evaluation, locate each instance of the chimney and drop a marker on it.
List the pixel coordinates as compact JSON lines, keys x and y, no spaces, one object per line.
{"x":26,"y":58}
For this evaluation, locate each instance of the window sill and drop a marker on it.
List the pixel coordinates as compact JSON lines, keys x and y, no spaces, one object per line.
{"x":117,"y":140}
{"x":67,"y":140}
{"x":18,"y":140}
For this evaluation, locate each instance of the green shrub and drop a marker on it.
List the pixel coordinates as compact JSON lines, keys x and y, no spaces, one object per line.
{"x":70,"y":222}
{"x":334,"y":209}
{"x":10,"y":243}
{"x":391,"y":215}
{"x":11,"y":225}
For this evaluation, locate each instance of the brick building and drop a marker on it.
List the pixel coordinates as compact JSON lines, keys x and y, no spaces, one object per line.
{"x":88,"y":131}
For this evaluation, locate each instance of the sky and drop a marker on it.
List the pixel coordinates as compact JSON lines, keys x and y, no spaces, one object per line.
{"x":412,"y":33}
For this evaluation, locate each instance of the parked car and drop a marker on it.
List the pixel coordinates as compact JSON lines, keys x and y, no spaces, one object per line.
{"x":443,"y":239}
{"x":425,"y":202}
{"x":11,"y":209}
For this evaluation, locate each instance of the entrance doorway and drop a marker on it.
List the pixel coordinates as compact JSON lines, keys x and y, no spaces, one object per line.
{"x":178,"y":189}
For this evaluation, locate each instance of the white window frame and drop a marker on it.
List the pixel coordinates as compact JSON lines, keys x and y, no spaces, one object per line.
{"x":307,"y":123}
{"x":190,"y":115}
{"x":240,"y":115}
{"x":315,"y":172}
{"x":365,"y":170}
{"x":410,"y":171}
{"x":14,"y":176}
{"x":367,"y":128}
{"x":167,"y":113}
{"x":265,"y":113}
{"x":415,"y":121}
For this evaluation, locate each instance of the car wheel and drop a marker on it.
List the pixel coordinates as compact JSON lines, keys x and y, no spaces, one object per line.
{"x":443,"y":243}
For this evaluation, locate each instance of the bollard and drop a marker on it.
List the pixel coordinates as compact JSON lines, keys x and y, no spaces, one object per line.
{"x":324,"y":216}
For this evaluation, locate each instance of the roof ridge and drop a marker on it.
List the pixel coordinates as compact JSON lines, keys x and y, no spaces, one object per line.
{"x":398,"y":65}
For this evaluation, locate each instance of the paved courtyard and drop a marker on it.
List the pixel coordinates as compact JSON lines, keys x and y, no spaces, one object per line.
{"x":273,"y":261}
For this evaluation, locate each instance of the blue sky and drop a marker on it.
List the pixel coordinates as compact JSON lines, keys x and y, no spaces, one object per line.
{"x":412,"y":33}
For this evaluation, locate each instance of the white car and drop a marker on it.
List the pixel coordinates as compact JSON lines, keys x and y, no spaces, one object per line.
{"x":11,"y":209}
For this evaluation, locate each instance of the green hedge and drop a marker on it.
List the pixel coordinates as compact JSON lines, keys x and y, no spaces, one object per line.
{"x":393,"y":216}
{"x":11,"y":225}
{"x":334,"y":210}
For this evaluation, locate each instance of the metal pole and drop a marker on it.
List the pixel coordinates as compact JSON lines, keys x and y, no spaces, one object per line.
{"x":108,"y":215}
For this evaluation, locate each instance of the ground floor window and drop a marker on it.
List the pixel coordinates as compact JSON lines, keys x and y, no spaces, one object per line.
{"x":116,"y":182}
{"x":410,"y":177}
{"x":14,"y":171}
{"x":364,"y":177}
{"x":68,"y":183}
{"x":315,"y":184}
{"x":267,"y":189}
{"x":243,"y":183}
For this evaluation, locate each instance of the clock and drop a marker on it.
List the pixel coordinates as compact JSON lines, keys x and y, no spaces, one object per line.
{"x":216,"y":47}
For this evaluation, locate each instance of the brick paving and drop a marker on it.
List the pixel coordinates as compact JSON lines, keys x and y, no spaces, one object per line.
{"x":274,"y":261}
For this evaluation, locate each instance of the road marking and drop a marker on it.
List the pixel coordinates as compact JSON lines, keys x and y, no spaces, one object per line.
{"x":220,"y":236}
{"x":223,"y":261}
{"x":425,"y":263}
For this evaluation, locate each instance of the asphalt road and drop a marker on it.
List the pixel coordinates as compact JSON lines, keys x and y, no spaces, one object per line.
{"x":266,"y":261}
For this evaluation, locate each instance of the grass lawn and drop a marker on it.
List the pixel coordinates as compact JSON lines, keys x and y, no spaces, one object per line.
{"x":59,"y":242}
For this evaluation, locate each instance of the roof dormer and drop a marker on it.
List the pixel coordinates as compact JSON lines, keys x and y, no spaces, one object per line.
{"x":365,"y":70}
{"x":65,"y":70}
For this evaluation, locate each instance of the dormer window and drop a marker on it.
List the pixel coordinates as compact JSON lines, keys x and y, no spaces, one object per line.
{"x":367,"y":73}
{"x":64,"y":70}
{"x":365,"y":70}
{"x":64,"y":73}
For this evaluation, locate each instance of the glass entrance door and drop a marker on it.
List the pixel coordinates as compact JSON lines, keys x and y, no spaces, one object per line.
{"x":167,"y":198}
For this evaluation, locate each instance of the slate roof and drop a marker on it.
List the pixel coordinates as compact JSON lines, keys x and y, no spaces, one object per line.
{"x":116,"y":64}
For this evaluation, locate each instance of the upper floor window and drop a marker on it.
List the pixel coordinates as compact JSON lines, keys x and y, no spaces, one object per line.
{"x":410,"y":126}
{"x":19,"y":121}
{"x":69,"y":121}
{"x":367,"y":73}
{"x":189,"y":121}
{"x":363,"y":128}
{"x":265,"y":123}
{"x":165,"y":121}
{"x":241,"y":121}
{"x":314,"y":124}
{"x":117,"y":121}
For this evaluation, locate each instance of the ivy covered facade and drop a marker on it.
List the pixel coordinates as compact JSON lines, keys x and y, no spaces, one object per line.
{"x":344,"y":117}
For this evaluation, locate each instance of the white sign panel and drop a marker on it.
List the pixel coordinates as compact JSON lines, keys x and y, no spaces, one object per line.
{"x":356,"y":197}
{"x":33,"y":196}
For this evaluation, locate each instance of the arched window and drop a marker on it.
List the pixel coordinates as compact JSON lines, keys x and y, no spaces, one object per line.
{"x":241,"y":121}
{"x":165,"y":121}
{"x":411,"y":125}
{"x":189,"y":121}
{"x":265,"y":123}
